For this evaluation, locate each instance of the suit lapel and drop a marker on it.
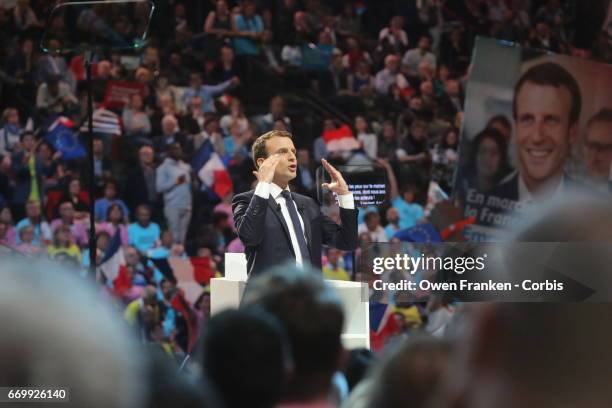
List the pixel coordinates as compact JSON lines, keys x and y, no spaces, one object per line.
{"x":274,"y":207}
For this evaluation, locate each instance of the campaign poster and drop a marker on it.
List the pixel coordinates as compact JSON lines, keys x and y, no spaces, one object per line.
{"x":537,"y":126}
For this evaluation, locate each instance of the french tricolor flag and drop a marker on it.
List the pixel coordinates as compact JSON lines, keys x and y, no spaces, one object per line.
{"x":113,"y":260}
{"x":215,"y":176}
{"x":382,"y":324}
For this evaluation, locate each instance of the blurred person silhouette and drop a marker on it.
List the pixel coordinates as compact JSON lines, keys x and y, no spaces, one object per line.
{"x":170,"y":388}
{"x":542,"y":354}
{"x":247,"y":357}
{"x":65,"y":336}
{"x":407,"y":376}
{"x":598,"y":148}
{"x":311,"y":314}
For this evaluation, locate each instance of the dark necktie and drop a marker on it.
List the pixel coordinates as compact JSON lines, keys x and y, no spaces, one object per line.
{"x":297,"y":227}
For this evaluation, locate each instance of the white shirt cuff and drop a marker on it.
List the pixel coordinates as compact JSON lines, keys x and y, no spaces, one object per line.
{"x":346,"y":201}
{"x":263,"y":190}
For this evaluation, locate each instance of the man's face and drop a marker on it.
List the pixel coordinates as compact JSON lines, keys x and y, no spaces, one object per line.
{"x":388,"y":131}
{"x":110,"y":191}
{"x":33,"y":210}
{"x":98,"y":147}
{"x":598,"y":150}
{"x":227,"y":54}
{"x":146,"y":155}
{"x":426,"y":88}
{"x":416,"y":103}
{"x":143,"y":215}
{"x":66,"y":211}
{"x":452,"y":87}
{"x":168,"y":126}
{"x":13,"y":117}
{"x":75,"y":187}
{"x":166,"y":239}
{"x":175,"y":152}
{"x":392,"y":65}
{"x":333,"y":256}
{"x":28,"y":142}
{"x":167,"y":289}
{"x":424,"y":44}
{"x":544,"y":135}
{"x":277,"y":107}
{"x":418,"y":132}
{"x":249,"y":9}
{"x":131,"y":257}
{"x":195,"y":81}
{"x":392,"y":215}
{"x":372,"y":221}
{"x":287,"y":166}
{"x":303,"y":157}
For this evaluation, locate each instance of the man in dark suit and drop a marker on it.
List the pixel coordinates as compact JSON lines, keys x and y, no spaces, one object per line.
{"x":546,"y":109}
{"x":139,"y":185}
{"x":275,"y":224}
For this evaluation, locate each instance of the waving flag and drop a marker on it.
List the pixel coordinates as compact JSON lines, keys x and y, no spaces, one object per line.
{"x":214,"y":175}
{"x":382,"y":324}
{"x":113,"y":259}
{"x":63,"y":139}
{"x":419,"y":233}
{"x":180,"y":304}
{"x":340,"y":139}
{"x":202,"y":156}
{"x":104,"y":122}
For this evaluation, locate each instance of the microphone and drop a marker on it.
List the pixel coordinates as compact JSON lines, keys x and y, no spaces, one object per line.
{"x":278,"y":206}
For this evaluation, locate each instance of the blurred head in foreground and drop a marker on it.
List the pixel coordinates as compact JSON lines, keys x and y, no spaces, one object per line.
{"x":59,"y":332}
{"x":410,"y":374}
{"x":246,"y":355}
{"x":543,"y":354}
{"x":312,"y":316}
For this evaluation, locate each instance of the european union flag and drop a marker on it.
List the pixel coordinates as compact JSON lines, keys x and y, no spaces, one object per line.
{"x":425,"y":233}
{"x":64,"y":140}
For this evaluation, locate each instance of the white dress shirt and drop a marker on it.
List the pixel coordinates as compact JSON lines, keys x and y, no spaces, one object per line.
{"x":549,"y":192}
{"x":264,"y":190}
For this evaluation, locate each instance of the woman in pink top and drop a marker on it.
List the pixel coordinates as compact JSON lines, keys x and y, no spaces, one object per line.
{"x":10,"y":235}
{"x":115,"y":219}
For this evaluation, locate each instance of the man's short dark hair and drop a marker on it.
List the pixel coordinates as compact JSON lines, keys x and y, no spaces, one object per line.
{"x":551,"y":74}
{"x":246,"y":356}
{"x":501,"y":119}
{"x":312,"y":316}
{"x":259,"y":146}
{"x":26,"y":133}
{"x":604,"y":115}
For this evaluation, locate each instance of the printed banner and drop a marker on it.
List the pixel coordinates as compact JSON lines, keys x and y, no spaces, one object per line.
{"x":537,"y":126}
{"x":118,"y":93}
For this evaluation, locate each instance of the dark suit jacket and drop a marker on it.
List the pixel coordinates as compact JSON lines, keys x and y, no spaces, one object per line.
{"x":136,"y":191}
{"x":263,"y":230}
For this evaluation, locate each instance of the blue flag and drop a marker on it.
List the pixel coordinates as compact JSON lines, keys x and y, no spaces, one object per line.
{"x":64,"y":140}
{"x":419,"y":233}
{"x":201,"y":156}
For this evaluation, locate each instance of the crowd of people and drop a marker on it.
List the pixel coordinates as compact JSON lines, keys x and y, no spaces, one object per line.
{"x":390,"y":77}
{"x":283,"y":346}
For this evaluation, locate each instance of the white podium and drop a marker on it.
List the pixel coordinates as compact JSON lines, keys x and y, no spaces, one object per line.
{"x":226,"y":293}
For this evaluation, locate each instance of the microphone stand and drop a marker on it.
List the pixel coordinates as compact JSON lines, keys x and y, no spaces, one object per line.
{"x":88,"y":59}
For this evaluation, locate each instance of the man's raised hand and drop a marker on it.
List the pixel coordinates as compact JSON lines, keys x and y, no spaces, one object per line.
{"x":337,"y":185}
{"x":265,"y":173}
